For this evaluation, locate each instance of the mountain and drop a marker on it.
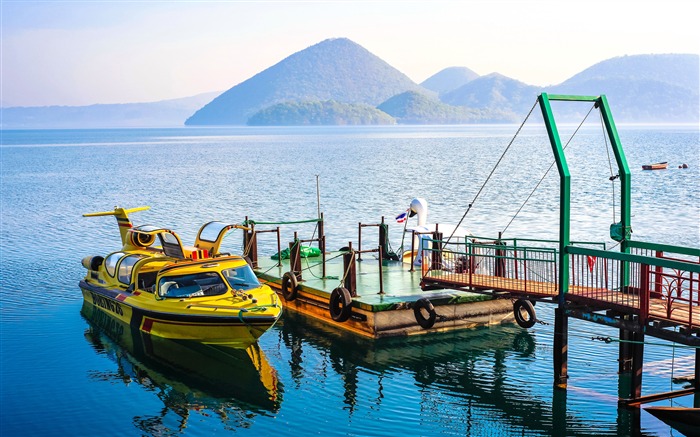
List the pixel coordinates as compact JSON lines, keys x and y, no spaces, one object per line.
{"x":449,"y":79}
{"x":681,"y":70}
{"x":495,"y":92}
{"x":319,"y":113}
{"x":335,"y":69}
{"x":640,"y":89}
{"x":166,"y":113}
{"x":643,"y":88}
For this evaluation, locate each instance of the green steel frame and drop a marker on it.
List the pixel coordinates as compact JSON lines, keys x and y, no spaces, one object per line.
{"x":601,"y":103}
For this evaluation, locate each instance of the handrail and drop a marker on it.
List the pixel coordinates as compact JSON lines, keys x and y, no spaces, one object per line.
{"x":641,"y":259}
{"x":664,"y":248}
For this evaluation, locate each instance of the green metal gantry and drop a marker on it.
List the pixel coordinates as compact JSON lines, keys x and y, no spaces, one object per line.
{"x":623,"y":227}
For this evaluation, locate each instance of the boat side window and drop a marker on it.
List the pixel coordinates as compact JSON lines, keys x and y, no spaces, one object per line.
{"x":111,"y":262}
{"x":146,"y":281}
{"x":194,"y":285}
{"x":126,"y":266}
{"x":241,"y":278}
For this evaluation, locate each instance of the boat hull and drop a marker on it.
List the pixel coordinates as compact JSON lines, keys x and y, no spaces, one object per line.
{"x":237,"y":331}
{"x":657,"y":166}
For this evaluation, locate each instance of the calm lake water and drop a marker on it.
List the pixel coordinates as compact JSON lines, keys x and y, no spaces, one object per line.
{"x":69,"y":370}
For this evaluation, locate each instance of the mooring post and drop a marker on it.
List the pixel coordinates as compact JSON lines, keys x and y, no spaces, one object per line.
{"x":413,"y":238}
{"x":322,"y":246}
{"x":561,"y":347}
{"x":637,"y":363}
{"x":383,"y":237}
{"x":359,"y":241}
{"x":381,"y":272}
{"x":625,"y":357}
{"x":295,"y":257}
{"x":279,"y":248}
{"x":350,"y":279}
{"x":436,"y":258}
{"x":253,"y":247}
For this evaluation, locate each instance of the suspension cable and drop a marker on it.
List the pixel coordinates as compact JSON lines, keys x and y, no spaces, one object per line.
{"x":493,"y":170}
{"x":546,"y":172}
{"x":612,"y":176}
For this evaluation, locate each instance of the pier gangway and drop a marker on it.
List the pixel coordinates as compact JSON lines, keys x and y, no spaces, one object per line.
{"x":658,"y":284}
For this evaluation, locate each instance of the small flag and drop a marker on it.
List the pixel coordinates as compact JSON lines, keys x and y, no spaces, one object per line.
{"x":591,"y":262}
{"x":402,"y":217}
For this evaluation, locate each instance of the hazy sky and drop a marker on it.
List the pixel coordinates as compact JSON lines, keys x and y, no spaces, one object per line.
{"x":86,"y":52}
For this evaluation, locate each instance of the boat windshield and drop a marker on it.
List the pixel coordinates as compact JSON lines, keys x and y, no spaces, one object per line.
{"x":210,"y":232}
{"x":241,"y":278}
{"x":193,"y":285}
{"x":126,"y":265}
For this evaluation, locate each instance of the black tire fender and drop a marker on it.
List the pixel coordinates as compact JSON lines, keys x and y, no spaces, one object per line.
{"x":424,"y":305}
{"x":290,"y":286}
{"x":524,"y":313}
{"x":340,"y":304}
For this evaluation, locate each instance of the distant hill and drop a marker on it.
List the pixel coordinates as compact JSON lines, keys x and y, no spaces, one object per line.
{"x":319,"y":113}
{"x":643,"y":88}
{"x":166,"y":113}
{"x":416,"y":108}
{"x":334,"y":69}
{"x":495,"y":92}
{"x":449,"y":79}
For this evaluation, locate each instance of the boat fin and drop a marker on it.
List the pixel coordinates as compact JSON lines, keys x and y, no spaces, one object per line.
{"x":122,"y":216}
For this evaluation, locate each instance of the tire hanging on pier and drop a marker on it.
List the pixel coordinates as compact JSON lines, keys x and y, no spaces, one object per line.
{"x":340,"y":303}
{"x":524,"y":313}
{"x":420,"y":308}
{"x":289,"y":286}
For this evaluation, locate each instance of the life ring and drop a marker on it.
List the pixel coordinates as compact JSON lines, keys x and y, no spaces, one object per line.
{"x":521,"y":309}
{"x":289,"y":286}
{"x":424,"y":305}
{"x":339,"y":304}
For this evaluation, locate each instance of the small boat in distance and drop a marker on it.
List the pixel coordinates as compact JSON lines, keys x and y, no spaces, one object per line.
{"x":180,"y":292}
{"x":682,"y":419}
{"x":657,"y":166}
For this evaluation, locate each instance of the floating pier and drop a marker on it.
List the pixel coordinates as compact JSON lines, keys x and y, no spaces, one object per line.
{"x":644,"y":289}
{"x":378,"y":299}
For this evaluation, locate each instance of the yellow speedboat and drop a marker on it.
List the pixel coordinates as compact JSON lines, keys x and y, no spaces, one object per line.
{"x":180,"y":292}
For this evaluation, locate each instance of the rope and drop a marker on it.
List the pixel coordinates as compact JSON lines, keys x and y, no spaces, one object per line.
{"x":254,"y":222}
{"x":674,"y":345}
{"x":547,"y":172}
{"x":492,"y":171}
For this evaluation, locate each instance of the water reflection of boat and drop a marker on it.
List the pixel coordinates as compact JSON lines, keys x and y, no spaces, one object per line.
{"x":189,"y":377}
{"x":684,"y":420}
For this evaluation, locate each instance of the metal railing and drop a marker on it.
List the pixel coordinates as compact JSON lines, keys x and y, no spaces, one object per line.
{"x":656,"y":282}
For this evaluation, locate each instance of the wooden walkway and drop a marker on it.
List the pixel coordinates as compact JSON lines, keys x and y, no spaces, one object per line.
{"x":596,"y":298}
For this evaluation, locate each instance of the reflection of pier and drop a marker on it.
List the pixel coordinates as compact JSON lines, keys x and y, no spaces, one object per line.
{"x":188,"y":377}
{"x":471,"y":364}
